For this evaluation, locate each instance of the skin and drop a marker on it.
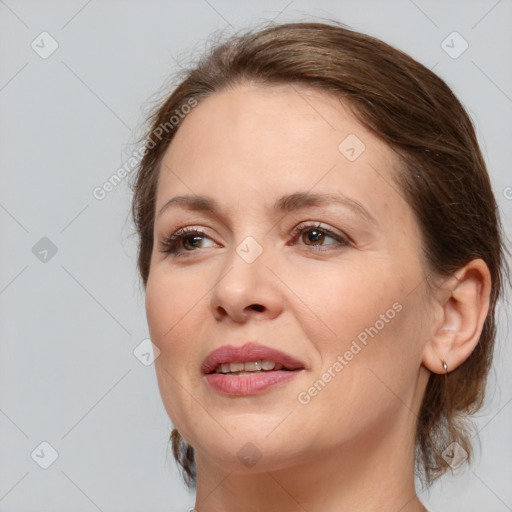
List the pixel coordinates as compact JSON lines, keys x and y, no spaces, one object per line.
{"x":351,"y":447}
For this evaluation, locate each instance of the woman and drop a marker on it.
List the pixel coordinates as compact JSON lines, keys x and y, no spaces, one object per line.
{"x":322,"y":256}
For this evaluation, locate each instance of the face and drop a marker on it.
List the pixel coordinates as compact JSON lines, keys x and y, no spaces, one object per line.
{"x":305,"y":247}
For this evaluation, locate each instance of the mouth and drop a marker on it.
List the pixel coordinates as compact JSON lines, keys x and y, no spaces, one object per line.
{"x":248,"y":358}
{"x":249,"y":369}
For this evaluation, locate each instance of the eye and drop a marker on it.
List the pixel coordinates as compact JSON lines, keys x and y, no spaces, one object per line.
{"x":185,"y":240}
{"x":314,"y":235}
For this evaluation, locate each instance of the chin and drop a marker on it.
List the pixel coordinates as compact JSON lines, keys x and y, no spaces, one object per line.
{"x":249,"y":456}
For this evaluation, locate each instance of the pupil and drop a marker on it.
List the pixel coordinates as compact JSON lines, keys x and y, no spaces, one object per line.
{"x":196,"y":241}
{"x":315,"y":236}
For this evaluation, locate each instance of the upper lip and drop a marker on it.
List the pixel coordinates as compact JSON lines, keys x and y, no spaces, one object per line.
{"x":247,"y":353}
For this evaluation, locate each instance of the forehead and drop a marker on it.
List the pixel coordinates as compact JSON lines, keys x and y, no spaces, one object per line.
{"x":259,"y":142}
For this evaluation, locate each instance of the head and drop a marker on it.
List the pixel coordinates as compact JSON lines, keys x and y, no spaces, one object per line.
{"x":403,"y":273}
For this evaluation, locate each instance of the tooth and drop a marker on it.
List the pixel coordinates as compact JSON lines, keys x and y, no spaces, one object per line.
{"x":252,"y":366}
{"x":236,"y":367}
{"x":267,"y":364}
{"x":218,"y":369}
{"x":278,"y":366}
{"x":226,"y":367}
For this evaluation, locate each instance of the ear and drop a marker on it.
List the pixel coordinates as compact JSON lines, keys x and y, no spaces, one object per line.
{"x":463,"y":303}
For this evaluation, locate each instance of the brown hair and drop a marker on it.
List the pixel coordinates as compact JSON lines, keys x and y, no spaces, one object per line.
{"x":442,"y":175}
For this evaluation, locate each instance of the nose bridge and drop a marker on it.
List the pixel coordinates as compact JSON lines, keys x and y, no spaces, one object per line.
{"x":247,"y":286}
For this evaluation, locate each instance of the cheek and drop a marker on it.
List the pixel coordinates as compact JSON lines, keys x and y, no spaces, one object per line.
{"x":170,"y":298}
{"x":175,"y":311}
{"x":158,"y":305}
{"x":167,"y":304}
{"x":341,"y":303}
{"x":368,"y":318}
{"x":368,"y":371}
{"x":166,"y":308}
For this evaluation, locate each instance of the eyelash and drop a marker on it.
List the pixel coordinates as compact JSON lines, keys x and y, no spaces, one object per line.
{"x":170,"y":244}
{"x":343,"y":241}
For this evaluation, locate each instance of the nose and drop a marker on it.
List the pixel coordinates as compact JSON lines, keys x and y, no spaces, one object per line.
{"x":246,"y":290}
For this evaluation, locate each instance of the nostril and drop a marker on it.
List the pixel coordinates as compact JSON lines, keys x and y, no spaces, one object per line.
{"x":257,"y":307}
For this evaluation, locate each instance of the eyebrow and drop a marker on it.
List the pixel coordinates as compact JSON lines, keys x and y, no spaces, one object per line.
{"x":288,"y":203}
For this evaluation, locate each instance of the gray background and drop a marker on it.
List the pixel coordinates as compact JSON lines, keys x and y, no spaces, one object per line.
{"x":70,"y":323}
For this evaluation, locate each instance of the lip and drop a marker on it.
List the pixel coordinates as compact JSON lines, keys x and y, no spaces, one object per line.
{"x":248,"y":384}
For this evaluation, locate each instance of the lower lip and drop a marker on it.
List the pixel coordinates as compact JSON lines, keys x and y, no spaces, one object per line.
{"x":249,"y":384}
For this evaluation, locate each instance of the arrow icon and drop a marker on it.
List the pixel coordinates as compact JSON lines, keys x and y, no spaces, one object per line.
{"x":41,"y":454}
{"x":40,"y":45}
{"x":246,"y":248}
{"x":44,"y":252}
{"x":452,"y":45}
{"x":351,"y":150}
{"x":147,"y":355}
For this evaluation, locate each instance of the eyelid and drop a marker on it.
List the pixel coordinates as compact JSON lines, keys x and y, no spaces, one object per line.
{"x":168,"y":243}
{"x":340,"y":236}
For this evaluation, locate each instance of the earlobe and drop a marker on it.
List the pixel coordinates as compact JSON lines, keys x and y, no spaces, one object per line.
{"x":462,"y":317}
